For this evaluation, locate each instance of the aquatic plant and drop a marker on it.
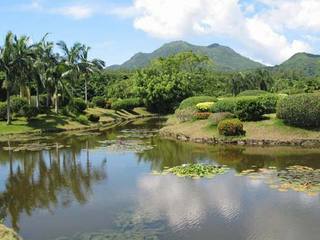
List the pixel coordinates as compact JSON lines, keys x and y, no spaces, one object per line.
{"x":296,"y":178}
{"x":197,"y":170}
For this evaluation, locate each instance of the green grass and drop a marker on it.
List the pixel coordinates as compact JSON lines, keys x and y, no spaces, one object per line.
{"x":57,"y":122}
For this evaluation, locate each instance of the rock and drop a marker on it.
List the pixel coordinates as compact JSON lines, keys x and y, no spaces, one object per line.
{"x":310,"y":143}
{"x":8,"y":234}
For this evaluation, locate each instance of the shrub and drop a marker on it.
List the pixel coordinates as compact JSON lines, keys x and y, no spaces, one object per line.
{"x":3,"y":111}
{"x":82,"y":119}
{"x":126,"y":104}
{"x":29,"y":112}
{"x":205,"y":106}
{"x":302,"y":110}
{"x":79,"y":105}
{"x":18,"y":103}
{"x":249,"y":109}
{"x":193,"y":101}
{"x":215,"y":118}
{"x":185,"y":115}
{"x":99,"y":101}
{"x":231,"y":127}
{"x":252,"y":93}
{"x":269,"y":102}
{"x":94,"y":118}
{"x":225,"y":105}
{"x":201,"y":115}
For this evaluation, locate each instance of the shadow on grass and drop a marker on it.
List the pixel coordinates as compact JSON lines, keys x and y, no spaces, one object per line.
{"x":48,"y":122}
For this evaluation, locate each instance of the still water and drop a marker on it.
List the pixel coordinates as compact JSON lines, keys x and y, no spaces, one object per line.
{"x":100,"y":186}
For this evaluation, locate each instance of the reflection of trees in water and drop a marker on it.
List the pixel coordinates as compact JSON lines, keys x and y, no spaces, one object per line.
{"x":45,"y":179}
{"x":168,"y":153}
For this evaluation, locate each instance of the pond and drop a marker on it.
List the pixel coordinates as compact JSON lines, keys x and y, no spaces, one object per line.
{"x":101,"y":185}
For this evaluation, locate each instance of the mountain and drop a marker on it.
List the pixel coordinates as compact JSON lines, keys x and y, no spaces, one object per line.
{"x":224,"y":58}
{"x":305,"y":63}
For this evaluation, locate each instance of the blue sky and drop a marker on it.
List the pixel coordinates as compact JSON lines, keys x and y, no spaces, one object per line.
{"x":269,"y":31}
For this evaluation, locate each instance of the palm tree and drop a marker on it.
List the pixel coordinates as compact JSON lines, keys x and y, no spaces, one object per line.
{"x":15,"y":57}
{"x":88,"y":67}
{"x":71,"y":58}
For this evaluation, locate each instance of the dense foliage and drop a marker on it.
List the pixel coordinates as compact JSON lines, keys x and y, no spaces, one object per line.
{"x":193,"y":101}
{"x":302,"y":110}
{"x":249,"y":109}
{"x":205,"y":106}
{"x":231,"y":127}
{"x":126,"y":104}
{"x":166,"y":82}
{"x":253,"y":93}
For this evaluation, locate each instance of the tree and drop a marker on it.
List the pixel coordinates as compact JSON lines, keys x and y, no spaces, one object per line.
{"x":167,"y":81}
{"x":88,"y":67}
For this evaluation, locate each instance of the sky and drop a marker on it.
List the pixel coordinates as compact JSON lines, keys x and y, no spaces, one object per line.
{"x":268,"y":31}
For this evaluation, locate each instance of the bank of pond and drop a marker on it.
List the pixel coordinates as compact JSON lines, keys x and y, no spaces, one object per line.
{"x":129,"y":183}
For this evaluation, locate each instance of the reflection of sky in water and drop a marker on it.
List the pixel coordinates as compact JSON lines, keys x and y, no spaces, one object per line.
{"x":228,"y":206}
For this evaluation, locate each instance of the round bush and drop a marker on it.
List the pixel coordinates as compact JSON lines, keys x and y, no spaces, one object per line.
{"x":302,"y":110}
{"x":79,"y":105}
{"x":193,"y":101}
{"x":205,"y":106}
{"x":185,"y":115}
{"x":249,"y":109}
{"x":216,"y":118}
{"x":225,"y":105}
{"x":3,"y":111}
{"x":82,"y":119}
{"x":269,"y":102}
{"x":231,"y":127}
{"x":94,"y":118}
{"x":18,"y":103}
{"x":126,"y":104}
{"x":99,"y":101}
{"x":252,"y":93}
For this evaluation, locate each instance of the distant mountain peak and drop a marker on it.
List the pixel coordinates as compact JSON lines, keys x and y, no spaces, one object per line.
{"x":225,"y":58}
{"x":214,"y":45}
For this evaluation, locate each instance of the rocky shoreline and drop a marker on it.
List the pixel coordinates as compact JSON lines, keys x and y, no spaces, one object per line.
{"x":252,"y":142}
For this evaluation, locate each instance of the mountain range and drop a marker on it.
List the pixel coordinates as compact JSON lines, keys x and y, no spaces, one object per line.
{"x":224,"y":58}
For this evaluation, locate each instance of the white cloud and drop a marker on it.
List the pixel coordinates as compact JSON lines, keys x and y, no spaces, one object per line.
{"x":75,"y":11}
{"x":262,"y":35}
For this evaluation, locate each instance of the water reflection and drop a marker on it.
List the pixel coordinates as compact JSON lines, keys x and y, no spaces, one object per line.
{"x":46,"y":179}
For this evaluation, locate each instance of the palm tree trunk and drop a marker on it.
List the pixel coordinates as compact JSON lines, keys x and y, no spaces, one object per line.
{"x":8,"y":107}
{"x":56,"y":100}
{"x":37,"y":96}
{"x":48,"y":98}
{"x":85,"y":90}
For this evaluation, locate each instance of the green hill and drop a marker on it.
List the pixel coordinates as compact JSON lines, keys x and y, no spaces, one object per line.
{"x":225,"y":59}
{"x":305,"y":63}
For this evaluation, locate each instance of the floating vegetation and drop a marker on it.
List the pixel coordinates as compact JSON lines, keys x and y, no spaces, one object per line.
{"x":33,"y":147}
{"x":296,"y":178}
{"x":196,"y":170}
{"x":137,"y":133}
{"x":136,"y":146}
{"x":127,"y":226}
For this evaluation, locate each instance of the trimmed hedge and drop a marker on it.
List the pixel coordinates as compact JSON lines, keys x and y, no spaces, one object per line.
{"x":225,"y":105}
{"x":252,"y":93}
{"x":3,"y":110}
{"x":231,"y":127}
{"x":205,"y":106}
{"x":269,"y":102}
{"x":216,"y":118}
{"x":82,"y":119}
{"x":29,"y":112}
{"x":193,"y":101}
{"x":302,"y":110}
{"x":249,"y":109}
{"x":201,"y":115}
{"x":126,"y":104}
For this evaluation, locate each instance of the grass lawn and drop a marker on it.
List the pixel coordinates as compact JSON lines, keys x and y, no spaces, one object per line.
{"x":58,"y":122}
{"x":269,"y":129}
